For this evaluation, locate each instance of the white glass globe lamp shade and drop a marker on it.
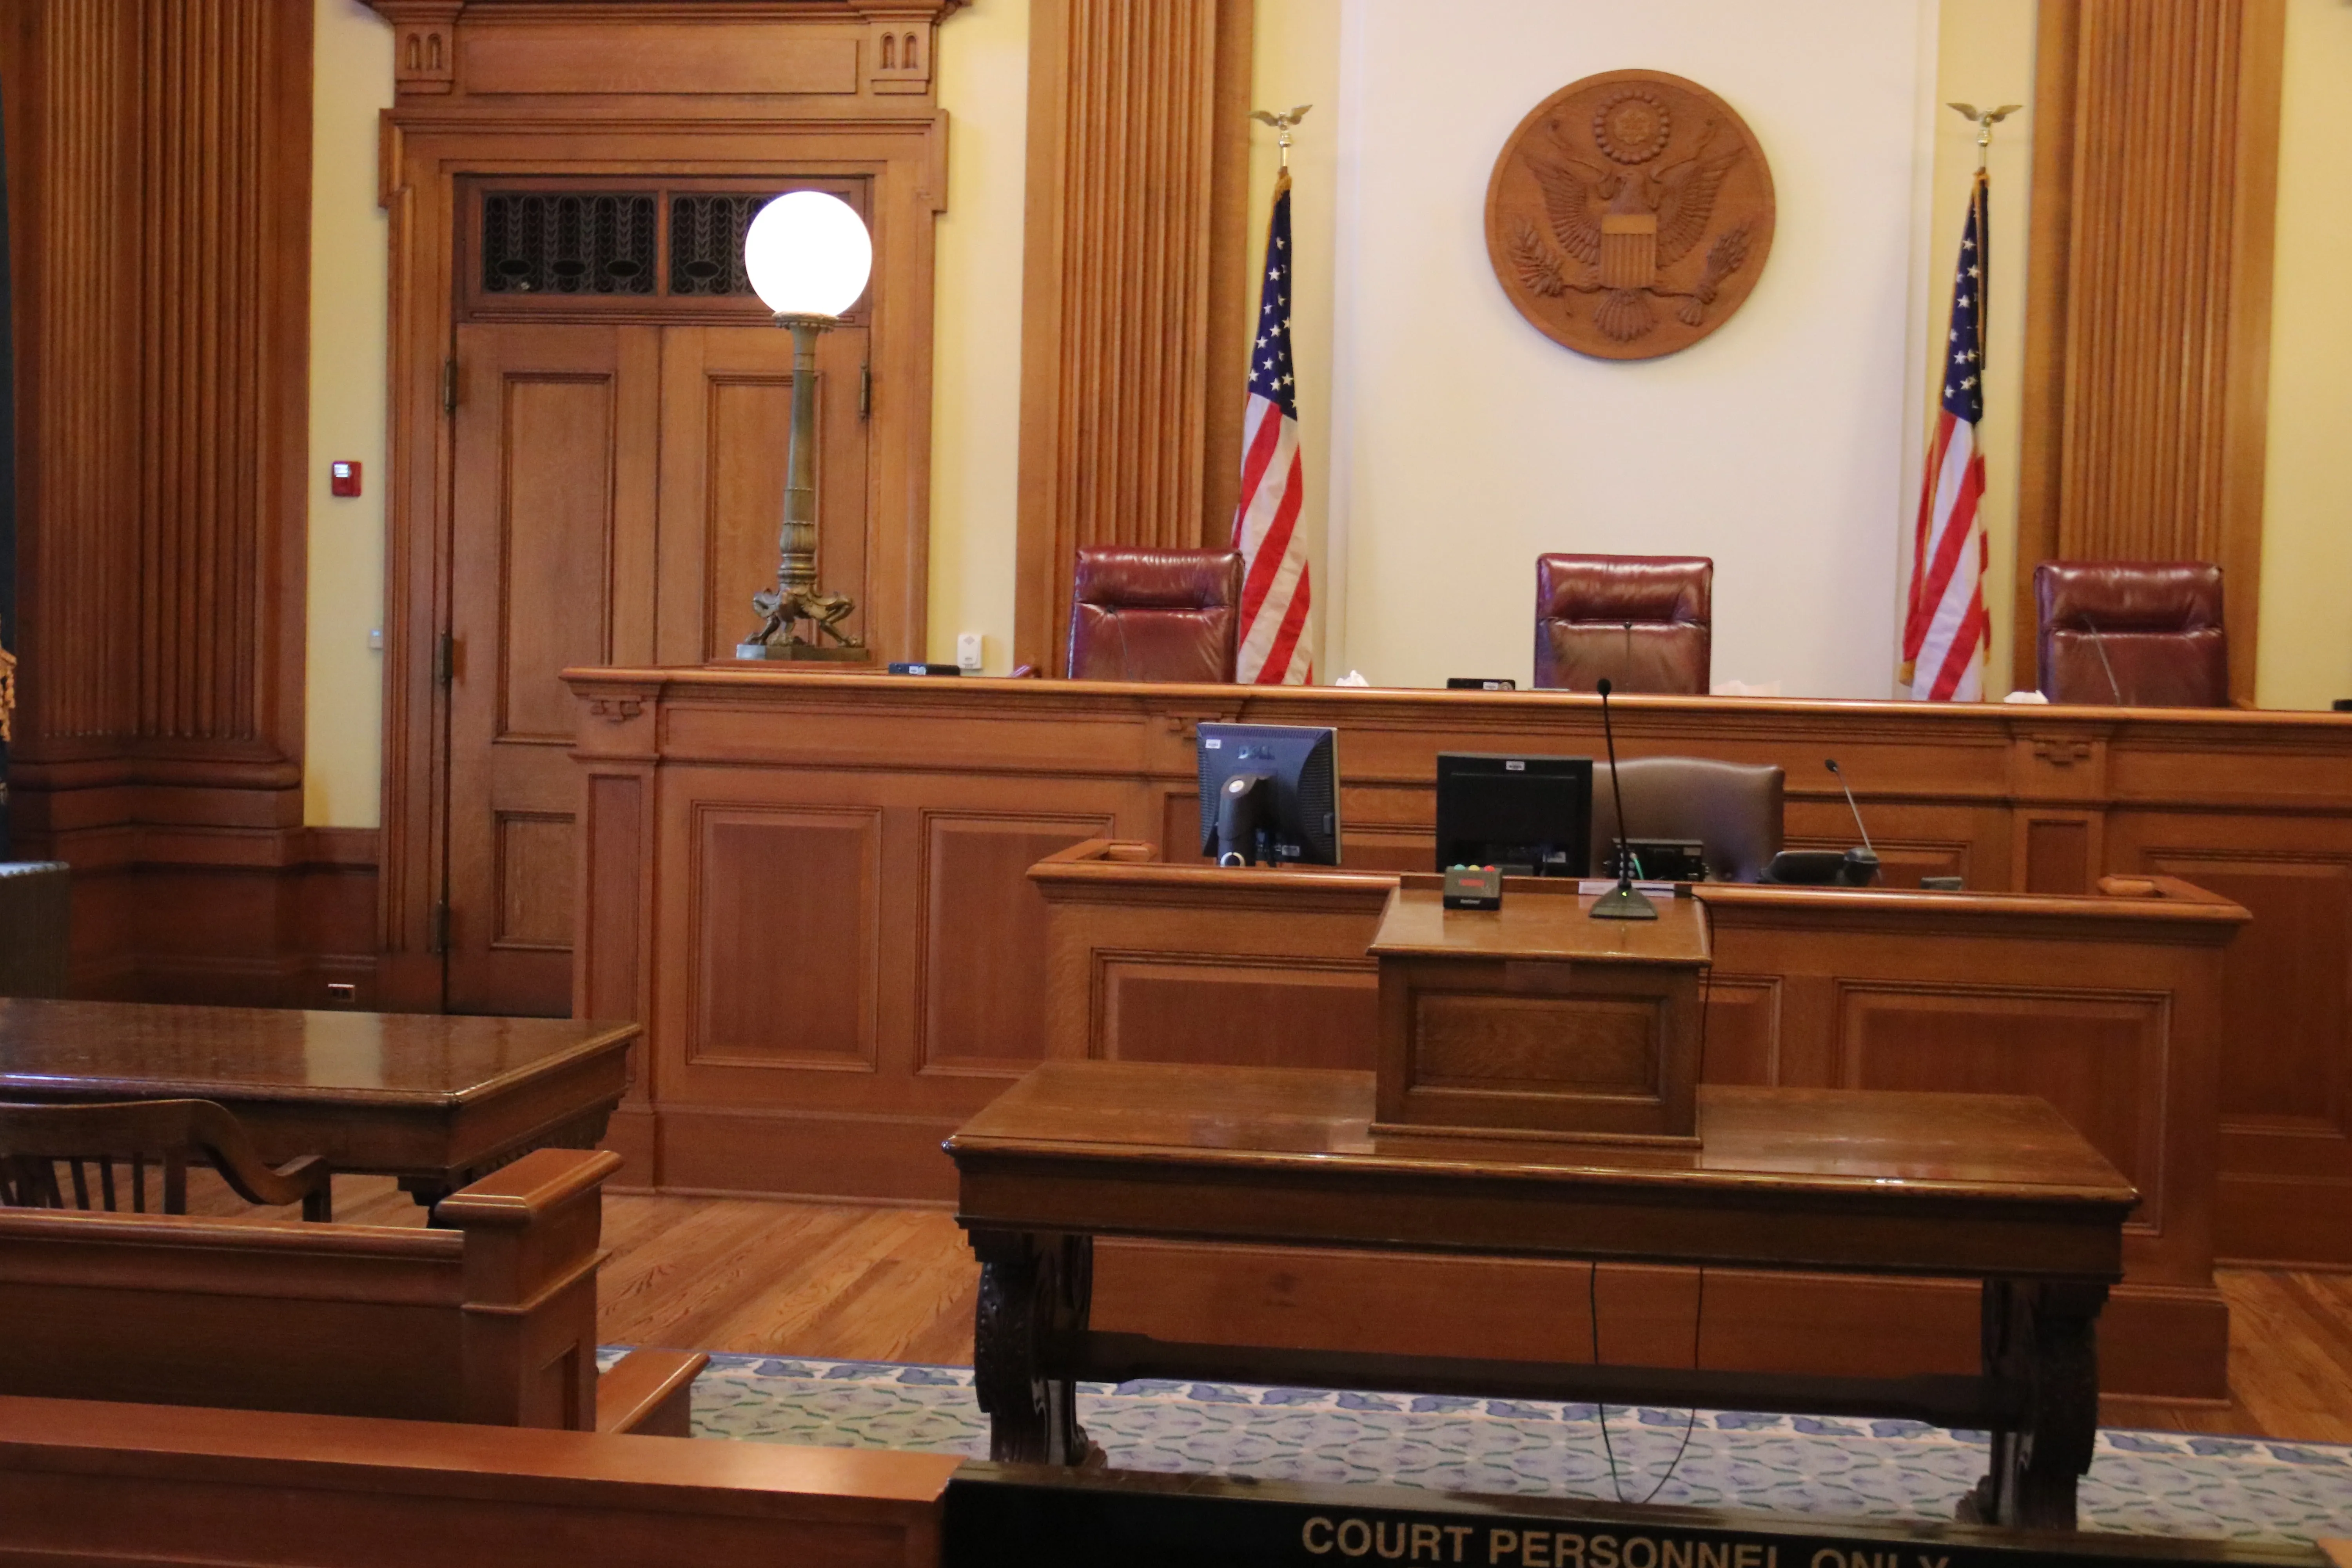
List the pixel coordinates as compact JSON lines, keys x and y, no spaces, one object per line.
{"x":808,"y":254}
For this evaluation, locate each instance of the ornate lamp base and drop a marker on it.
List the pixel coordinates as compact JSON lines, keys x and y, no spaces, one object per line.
{"x":803,"y":653}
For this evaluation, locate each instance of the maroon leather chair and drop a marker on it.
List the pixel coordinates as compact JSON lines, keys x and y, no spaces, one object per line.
{"x":1155,"y":615}
{"x":2158,"y":623}
{"x":1734,"y":809}
{"x":1644,"y":621}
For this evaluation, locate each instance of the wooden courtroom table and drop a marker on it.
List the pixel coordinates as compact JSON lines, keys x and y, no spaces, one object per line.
{"x":1994,"y":1189}
{"x":2109,"y":1007}
{"x":813,"y":889}
{"x":435,"y":1100}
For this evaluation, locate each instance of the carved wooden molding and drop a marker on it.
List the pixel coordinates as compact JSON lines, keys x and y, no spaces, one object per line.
{"x":1135,"y":288}
{"x":2149,"y":295}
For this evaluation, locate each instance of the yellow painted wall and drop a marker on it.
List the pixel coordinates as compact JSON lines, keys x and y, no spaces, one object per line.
{"x":1985,"y":57}
{"x":2303,"y":657}
{"x":344,"y":705}
{"x":983,"y":84}
{"x":1298,"y":61}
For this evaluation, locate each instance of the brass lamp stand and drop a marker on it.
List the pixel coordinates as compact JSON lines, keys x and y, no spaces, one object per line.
{"x":796,"y":599}
{"x":807,"y":255}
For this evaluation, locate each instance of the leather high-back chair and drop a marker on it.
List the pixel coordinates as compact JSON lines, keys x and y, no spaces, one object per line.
{"x":1155,"y":615}
{"x":2155,"y":624}
{"x":1644,"y":621}
{"x":1732,"y":808}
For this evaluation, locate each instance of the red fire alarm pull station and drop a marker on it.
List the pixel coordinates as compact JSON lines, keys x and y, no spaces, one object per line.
{"x":345,"y":474}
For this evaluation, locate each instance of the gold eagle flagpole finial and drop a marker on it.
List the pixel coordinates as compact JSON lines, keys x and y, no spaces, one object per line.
{"x":1986,"y":120}
{"x":1282,"y":123}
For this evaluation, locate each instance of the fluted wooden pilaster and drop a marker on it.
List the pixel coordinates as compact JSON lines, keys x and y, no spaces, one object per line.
{"x":2148,"y":304}
{"x":1135,"y":287}
{"x":163,"y":169}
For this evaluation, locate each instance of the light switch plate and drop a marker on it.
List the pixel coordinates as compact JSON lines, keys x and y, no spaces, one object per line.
{"x":968,"y":651}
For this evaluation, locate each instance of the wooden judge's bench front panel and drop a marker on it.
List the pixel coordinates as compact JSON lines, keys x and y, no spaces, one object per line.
{"x":814,"y":890}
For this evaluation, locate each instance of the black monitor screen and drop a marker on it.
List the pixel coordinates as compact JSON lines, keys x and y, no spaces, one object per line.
{"x":1269,"y":793}
{"x":1531,"y":815}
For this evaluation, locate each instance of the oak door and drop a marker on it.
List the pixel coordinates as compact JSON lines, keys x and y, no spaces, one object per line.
{"x":727,"y":413}
{"x":552,"y":564}
{"x":617,"y":495}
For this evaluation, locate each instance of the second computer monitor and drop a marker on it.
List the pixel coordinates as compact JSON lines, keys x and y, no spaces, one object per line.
{"x":1531,"y":815}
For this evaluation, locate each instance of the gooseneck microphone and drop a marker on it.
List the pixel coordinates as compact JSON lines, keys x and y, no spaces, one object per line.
{"x":1861,"y":864}
{"x":2100,"y":643}
{"x":1624,"y":901}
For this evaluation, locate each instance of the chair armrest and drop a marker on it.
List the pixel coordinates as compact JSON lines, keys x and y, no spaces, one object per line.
{"x":650,"y":1393}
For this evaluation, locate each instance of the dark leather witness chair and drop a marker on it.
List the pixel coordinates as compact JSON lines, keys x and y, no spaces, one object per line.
{"x":64,"y":1157}
{"x":1731,"y":808}
{"x":1155,"y":615}
{"x":2136,"y":634}
{"x":1644,"y":621}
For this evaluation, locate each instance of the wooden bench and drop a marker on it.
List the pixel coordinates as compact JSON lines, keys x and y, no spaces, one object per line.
{"x":491,"y":1320}
{"x":133,"y":1485}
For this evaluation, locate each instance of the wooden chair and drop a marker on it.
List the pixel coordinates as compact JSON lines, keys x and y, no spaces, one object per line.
{"x":491,"y":1321}
{"x":87,"y":1139}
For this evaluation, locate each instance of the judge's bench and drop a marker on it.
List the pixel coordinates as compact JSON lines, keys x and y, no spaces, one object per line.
{"x":850,"y":909}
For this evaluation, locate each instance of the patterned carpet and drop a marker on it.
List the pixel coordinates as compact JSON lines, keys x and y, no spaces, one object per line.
{"x":2149,"y":1482}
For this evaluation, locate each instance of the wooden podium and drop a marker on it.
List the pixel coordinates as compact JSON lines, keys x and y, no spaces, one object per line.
{"x":1536,"y":1019}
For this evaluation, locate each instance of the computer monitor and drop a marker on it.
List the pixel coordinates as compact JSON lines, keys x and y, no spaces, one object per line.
{"x":1269,"y":793}
{"x":1531,"y":815}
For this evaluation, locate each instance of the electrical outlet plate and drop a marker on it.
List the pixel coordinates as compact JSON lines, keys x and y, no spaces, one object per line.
{"x":968,"y":651}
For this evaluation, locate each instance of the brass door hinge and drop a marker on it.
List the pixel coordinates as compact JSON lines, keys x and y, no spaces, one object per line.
{"x":866,"y":390}
{"x":444,"y":659}
{"x":437,"y":939}
{"x":449,"y":385}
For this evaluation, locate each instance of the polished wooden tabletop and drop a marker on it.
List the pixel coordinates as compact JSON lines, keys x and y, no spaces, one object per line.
{"x":249,"y":1053}
{"x":1536,"y":922}
{"x":2007,"y":1148}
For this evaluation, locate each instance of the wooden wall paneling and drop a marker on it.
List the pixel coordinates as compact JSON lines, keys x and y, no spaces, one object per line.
{"x":635,"y":111}
{"x":2212,"y":795}
{"x":2286,"y":1099}
{"x":160,"y":155}
{"x":983,"y":1000}
{"x":1135,"y":289}
{"x":614,"y":976}
{"x":2146,"y":370}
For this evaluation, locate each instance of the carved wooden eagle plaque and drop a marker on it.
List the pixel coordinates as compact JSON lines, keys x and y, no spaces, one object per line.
{"x":1630,"y":214}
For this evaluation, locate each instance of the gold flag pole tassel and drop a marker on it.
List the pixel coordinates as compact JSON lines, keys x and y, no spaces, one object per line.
{"x":1282,"y":123}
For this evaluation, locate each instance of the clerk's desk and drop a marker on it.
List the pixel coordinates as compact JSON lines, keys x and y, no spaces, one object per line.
{"x":812,"y":889}
{"x":2108,"y":1007}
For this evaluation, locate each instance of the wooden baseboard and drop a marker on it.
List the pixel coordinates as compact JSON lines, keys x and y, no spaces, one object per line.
{"x":824,"y":1157}
{"x":2285,"y":1222}
{"x":2171,"y":1343}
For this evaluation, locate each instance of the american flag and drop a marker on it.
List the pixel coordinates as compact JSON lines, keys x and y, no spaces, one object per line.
{"x":1276,"y":595}
{"x":1945,"y":634}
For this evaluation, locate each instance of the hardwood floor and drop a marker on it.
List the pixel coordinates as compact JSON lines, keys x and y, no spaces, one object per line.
{"x":886,"y":1284}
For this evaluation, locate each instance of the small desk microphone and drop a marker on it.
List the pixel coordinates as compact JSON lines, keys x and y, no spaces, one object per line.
{"x":1624,"y":901}
{"x":1861,"y":864}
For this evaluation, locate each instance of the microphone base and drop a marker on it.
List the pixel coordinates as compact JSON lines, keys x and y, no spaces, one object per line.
{"x":1625,"y":902}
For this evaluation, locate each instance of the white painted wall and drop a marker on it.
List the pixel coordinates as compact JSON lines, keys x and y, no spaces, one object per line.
{"x":1466,"y":443}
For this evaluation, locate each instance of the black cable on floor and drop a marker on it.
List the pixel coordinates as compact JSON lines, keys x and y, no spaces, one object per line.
{"x":1690,"y":1424}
